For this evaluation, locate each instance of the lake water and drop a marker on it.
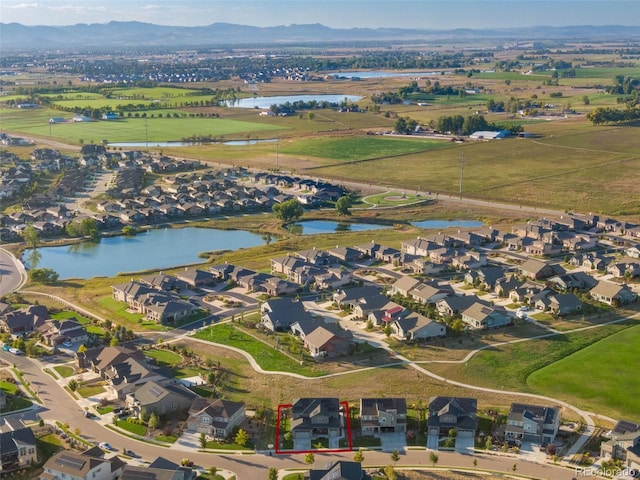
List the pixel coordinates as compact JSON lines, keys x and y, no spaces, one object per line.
{"x":152,"y":249}
{"x":232,"y":143}
{"x":311,"y":227}
{"x":266,"y":102}
{"x":447,"y":223}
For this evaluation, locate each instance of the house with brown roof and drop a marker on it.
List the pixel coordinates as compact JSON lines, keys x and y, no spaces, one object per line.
{"x":383,"y":415}
{"x":215,"y":418}
{"x":328,"y":340}
{"x":612,"y":293}
{"x":416,"y":326}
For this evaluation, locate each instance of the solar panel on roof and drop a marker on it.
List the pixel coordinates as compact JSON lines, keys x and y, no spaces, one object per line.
{"x":155,"y":391}
{"x":130,"y":474}
{"x":623,"y":426}
{"x":71,"y":462}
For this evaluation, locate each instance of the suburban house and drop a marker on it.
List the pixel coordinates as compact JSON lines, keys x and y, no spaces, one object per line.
{"x":479,"y":317}
{"x":624,"y":444}
{"x":485,"y":277}
{"x":24,"y":321}
{"x":316,"y":417}
{"x":215,"y":418}
{"x":612,"y":293}
{"x":159,"y":469}
{"x":404,"y":285}
{"x":447,"y":413}
{"x":17,"y":445}
{"x":159,"y":305}
{"x":280,"y":313}
{"x":55,"y":332}
{"x":161,"y":399}
{"x":426,"y":293}
{"x":454,"y":305}
{"x":537,"y":269}
{"x":532,"y":423}
{"x":415,"y":326}
{"x":564,"y":304}
{"x":382,"y":415}
{"x":89,"y":465}
{"x":328,"y":340}
{"x":341,"y":470}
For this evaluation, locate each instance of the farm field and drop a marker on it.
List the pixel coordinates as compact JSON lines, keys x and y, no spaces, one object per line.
{"x":591,"y":377}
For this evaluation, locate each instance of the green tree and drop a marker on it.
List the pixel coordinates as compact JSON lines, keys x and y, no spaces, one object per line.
{"x":154,"y":420}
{"x":73,"y":385}
{"x":273,"y":474}
{"x":475,"y":462}
{"x":82,"y":348}
{"x":241,"y":438}
{"x":89,"y":228}
{"x":309,"y":458}
{"x":433,"y":458}
{"x":586,"y":100}
{"x":31,"y":236}
{"x":203,"y":440}
{"x":390,"y":473}
{"x":487,"y":443}
{"x":114,"y":342}
{"x":395,"y":456}
{"x":288,"y":210}
{"x":387,"y":330}
{"x":343,"y":205}
{"x":213,"y":471}
{"x":114,"y":420}
{"x":358,"y":457}
{"x":43,"y":275}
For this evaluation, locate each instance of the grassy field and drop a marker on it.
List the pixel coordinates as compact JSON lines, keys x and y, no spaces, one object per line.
{"x":266,"y":356}
{"x":164,"y":358}
{"x":509,"y":367}
{"x":350,"y":149}
{"x":603,"y":373}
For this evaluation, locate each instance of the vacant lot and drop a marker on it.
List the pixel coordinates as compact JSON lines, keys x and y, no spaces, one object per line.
{"x":591,"y":377}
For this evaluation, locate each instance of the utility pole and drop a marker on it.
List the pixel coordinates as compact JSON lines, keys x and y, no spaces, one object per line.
{"x":461,"y":173}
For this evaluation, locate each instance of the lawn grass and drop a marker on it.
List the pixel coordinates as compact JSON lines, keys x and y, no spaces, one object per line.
{"x":89,"y":390}
{"x":166,"y":438}
{"x":8,"y":387}
{"x":591,"y":377}
{"x":509,"y":367}
{"x":266,"y":356}
{"x":47,"y":445}
{"x":64,"y":371}
{"x":164,"y":358}
{"x":214,"y":445}
{"x":132,"y":427}
{"x":66,"y":314}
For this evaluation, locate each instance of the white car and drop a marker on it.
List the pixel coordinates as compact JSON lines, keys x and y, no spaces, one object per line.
{"x":105,"y":446}
{"x":15,"y":351}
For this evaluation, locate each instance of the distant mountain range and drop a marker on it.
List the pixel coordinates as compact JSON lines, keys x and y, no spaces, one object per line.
{"x":14,"y":36}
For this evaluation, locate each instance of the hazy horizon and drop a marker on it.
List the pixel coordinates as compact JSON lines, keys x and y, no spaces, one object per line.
{"x":421,"y":14}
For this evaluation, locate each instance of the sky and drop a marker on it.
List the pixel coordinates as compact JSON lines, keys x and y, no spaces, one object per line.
{"x":425,"y":14}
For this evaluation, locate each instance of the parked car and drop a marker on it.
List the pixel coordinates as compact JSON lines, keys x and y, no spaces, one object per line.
{"x":67,"y":344}
{"x":5,"y":347}
{"x":15,"y":351}
{"x":105,"y":446}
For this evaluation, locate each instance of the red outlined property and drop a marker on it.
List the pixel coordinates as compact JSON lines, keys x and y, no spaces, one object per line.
{"x":316,"y":430}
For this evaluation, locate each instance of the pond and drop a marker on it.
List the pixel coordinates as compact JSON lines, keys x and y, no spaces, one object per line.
{"x":152,"y":249}
{"x":232,"y":143}
{"x":266,"y":102}
{"x":311,"y":227}
{"x":447,"y":223}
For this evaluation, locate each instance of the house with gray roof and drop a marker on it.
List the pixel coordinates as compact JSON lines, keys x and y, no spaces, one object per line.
{"x":341,"y":470}
{"x":216,"y":418}
{"x":313,"y":418}
{"x":447,"y":413}
{"x":17,"y":445}
{"x":481,"y":317}
{"x":159,"y":469}
{"x":415,"y":326}
{"x":532,"y":423}
{"x":88,"y":465}
{"x":280,"y":313}
{"x":161,"y":399}
{"x":624,"y":444}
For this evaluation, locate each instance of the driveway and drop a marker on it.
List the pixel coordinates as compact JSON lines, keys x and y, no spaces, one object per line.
{"x":393,"y":441}
{"x":464,"y":445}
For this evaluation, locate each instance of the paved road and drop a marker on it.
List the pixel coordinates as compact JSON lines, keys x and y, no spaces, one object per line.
{"x":12,"y":273}
{"x":59,"y":406}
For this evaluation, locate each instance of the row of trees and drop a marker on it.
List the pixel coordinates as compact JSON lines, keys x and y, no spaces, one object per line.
{"x":602,"y":115}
